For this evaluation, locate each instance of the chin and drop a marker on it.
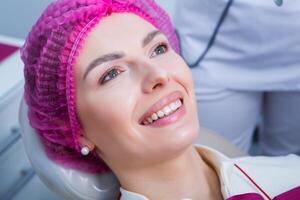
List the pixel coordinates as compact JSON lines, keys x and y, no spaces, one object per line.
{"x":182,"y":141}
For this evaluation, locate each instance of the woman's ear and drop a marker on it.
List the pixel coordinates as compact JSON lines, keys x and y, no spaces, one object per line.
{"x":85,"y":142}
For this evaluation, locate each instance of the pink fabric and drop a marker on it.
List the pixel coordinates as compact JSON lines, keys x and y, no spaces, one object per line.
{"x":248,"y":196}
{"x":49,"y":55}
{"x":293,"y":194}
{"x":6,"y":50}
{"x":252,"y":181}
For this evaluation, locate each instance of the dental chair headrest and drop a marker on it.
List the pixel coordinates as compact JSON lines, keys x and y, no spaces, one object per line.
{"x":72,"y":184}
{"x":67,"y":183}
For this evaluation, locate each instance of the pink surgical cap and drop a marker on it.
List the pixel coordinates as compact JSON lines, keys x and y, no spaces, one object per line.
{"x":49,"y":55}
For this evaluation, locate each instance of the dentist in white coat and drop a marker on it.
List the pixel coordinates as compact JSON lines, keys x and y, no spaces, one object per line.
{"x":245,"y":58}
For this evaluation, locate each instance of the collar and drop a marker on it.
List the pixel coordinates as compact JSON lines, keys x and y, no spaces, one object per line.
{"x":211,"y":156}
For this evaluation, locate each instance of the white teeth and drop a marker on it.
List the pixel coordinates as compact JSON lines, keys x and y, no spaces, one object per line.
{"x":163,"y":112}
{"x":167,"y":110}
{"x":149,"y":119}
{"x":160,"y":114}
{"x":178,"y":103}
{"x":173,"y":106}
{"x":154,"y":116}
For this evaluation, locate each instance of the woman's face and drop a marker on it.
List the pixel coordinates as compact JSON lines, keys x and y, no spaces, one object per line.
{"x":127,"y":76}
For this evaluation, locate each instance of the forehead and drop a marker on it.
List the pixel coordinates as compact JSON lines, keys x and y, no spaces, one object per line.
{"x":117,"y":30}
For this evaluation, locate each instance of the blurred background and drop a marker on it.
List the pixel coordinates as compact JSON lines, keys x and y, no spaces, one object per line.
{"x":17,"y":17}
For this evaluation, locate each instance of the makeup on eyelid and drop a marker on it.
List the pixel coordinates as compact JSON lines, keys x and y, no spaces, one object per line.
{"x":106,"y":73}
{"x":112,"y":113}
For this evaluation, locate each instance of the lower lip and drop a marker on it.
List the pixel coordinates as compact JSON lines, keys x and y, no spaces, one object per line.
{"x":175,"y":116}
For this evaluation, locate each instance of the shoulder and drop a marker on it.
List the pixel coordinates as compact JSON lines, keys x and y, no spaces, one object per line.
{"x":274,"y":175}
{"x":282,"y":163}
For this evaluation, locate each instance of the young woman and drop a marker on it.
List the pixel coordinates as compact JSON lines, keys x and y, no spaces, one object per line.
{"x":107,"y":90}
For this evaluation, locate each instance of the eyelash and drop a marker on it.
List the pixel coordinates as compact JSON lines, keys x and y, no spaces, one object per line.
{"x":162,"y":44}
{"x":103,"y":77}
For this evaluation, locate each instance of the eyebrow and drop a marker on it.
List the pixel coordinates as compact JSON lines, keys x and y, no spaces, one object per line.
{"x":117,"y":55}
{"x":150,"y":36}
{"x":103,"y":59}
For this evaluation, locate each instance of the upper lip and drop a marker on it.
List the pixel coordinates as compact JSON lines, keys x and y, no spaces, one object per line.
{"x":160,"y":104}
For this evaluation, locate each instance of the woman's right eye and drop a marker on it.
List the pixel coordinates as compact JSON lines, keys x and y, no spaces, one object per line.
{"x":110,"y":75}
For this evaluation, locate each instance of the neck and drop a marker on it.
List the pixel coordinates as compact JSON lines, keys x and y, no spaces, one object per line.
{"x":186,"y":176}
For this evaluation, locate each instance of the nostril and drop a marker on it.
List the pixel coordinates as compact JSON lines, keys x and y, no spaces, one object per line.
{"x":154,"y":80}
{"x":161,"y":82}
{"x":158,"y":85}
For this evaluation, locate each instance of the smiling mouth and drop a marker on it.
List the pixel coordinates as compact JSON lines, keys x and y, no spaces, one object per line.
{"x":164,"y":112}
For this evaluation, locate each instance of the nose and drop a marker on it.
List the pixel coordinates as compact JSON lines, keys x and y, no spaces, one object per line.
{"x":155,"y":77}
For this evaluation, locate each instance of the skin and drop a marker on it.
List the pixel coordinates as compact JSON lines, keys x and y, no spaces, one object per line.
{"x":158,"y":162}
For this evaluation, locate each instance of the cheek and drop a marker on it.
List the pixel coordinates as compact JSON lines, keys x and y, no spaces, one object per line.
{"x":181,"y":72}
{"x":185,"y":71}
{"x":109,"y":112}
{"x":183,"y":75}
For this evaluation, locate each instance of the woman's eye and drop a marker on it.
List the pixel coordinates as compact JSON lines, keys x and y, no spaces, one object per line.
{"x":109,"y":75}
{"x":160,"y":49}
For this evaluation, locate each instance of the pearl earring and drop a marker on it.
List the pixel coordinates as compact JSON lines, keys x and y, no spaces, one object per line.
{"x":85,"y":150}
